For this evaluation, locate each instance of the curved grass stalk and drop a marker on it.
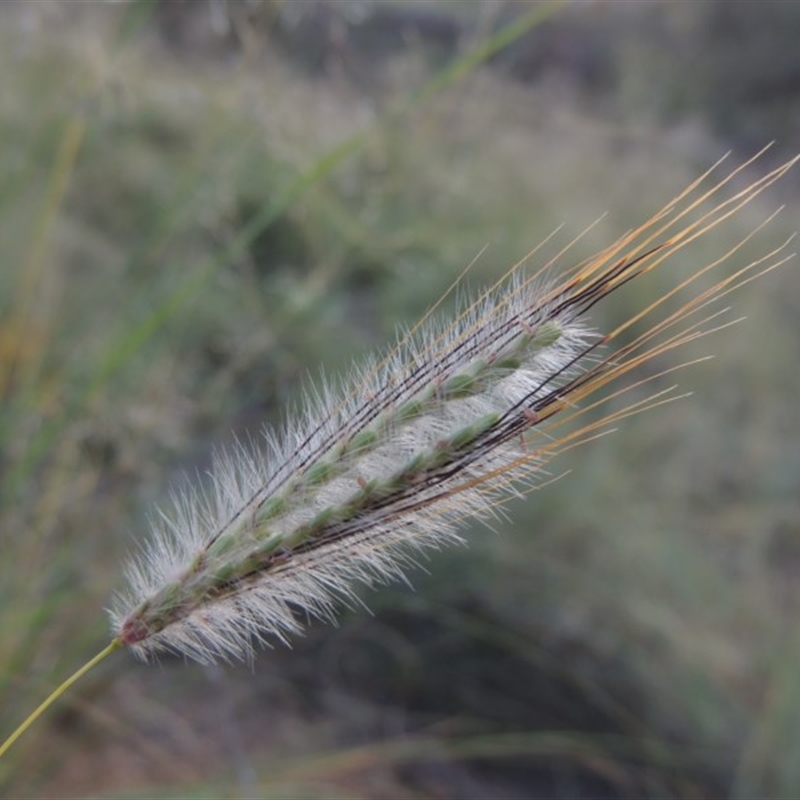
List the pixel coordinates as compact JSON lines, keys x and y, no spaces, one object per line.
{"x":115,"y":644}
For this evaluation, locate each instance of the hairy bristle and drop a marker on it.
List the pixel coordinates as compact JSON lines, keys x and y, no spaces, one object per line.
{"x":453,"y":420}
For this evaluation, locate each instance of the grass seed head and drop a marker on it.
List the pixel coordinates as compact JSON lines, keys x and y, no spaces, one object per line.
{"x":452,"y":421}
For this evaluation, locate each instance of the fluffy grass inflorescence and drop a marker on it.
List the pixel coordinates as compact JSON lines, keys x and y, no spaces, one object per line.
{"x":455,"y":419}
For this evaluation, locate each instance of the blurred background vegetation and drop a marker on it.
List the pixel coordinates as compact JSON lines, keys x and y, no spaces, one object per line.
{"x":202,"y":203}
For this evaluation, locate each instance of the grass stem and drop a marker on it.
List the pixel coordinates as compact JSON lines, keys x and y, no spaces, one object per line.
{"x":58,"y":692}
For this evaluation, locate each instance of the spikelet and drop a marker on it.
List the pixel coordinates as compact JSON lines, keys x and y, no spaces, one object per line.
{"x":456,"y":418}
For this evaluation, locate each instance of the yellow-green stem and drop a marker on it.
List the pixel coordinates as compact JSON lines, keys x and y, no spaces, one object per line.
{"x":114,"y":645}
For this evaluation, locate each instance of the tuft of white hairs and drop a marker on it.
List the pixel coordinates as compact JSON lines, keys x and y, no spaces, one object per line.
{"x":238,"y":559}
